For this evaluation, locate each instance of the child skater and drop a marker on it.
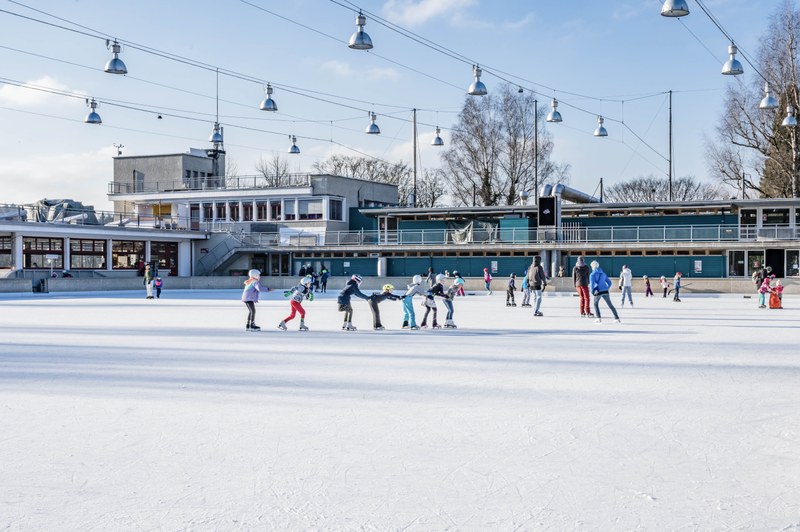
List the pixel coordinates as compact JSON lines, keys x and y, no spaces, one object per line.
{"x":526,"y":291}
{"x":158,"y":284}
{"x":664,"y":285}
{"x":647,"y":290}
{"x":487,"y":280}
{"x":378,"y":297}
{"x":349,"y":290}
{"x":677,"y":287}
{"x":510,"y":289}
{"x":430,"y":304}
{"x":252,"y":289}
{"x":458,"y":283}
{"x":461,"y":285}
{"x":763,"y":290}
{"x":415,"y":288}
{"x":776,"y":298}
{"x":304,"y":290}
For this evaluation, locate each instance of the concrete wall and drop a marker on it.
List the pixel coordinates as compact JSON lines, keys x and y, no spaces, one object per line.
{"x":15,"y":285}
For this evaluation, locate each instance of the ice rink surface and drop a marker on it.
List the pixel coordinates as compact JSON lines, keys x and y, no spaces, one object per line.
{"x":120,"y":413}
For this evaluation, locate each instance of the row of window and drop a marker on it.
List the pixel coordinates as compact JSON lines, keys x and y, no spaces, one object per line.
{"x":780,"y":216}
{"x":272,"y":210}
{"x":89,"y":254}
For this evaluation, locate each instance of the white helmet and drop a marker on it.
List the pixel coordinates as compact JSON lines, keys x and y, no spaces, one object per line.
{"x":306,"y":280}
{"x":417,"y":279}
{"x":439,"y":277}
{"x":255,"y":274}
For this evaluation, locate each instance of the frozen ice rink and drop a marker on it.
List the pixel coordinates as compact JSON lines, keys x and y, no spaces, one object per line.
{"x":120,"y":413}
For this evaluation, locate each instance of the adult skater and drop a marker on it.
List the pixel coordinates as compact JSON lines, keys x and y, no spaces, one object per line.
{"x":457,"y":285}
{"x":252,"y":289}
{"x":580,"y":277}
{"x":626,"y":284}
{"x":538,"y":281}
{"x":430,"y":303}
{"x":677,"y":287}
{"x":599,"y":283}
{"x":510,"y":289}
{"x":431,"y":278}
{"x":298,"y":294}
{"x":148,"y":281}
{"x":323,"y":279}
{"x":349,"y":290}
{"x":415,"y":288}
{"x":377,"y":298}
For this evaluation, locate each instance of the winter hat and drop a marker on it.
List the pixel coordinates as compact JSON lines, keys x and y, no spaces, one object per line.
{"x":388,"y":287}
{"x":439,"y":277}
{"x":455,"y":273}
{"x":644,"y":277}
{"x":486,"y":269}
{"x":357,"y":278}
{"x":416,"y":279}
{"x":537,"y":260}
{"x":513,"y":275}
{"x":581,"y":261}
{"x":306,"y":280}
{"x":595,"y":264}
{"x":255,"y":274}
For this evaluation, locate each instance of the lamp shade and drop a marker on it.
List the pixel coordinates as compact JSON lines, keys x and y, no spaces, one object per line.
{"x":601,"y":130}
{"x":373,"y":128}
{"x":732,"y":66}
{"x":768,"y":101}
{"x":268,"y":104}
{"x":360,"y":40}
{"x":477,"y":88}
{"x":674,"y":8}
{"x":92,"y":117}
{"x":553,"y":115}
{"x":437,"y":141}
{"x":216,"y":134}
{"x":790,"y":120}
{"x":115,"y":65}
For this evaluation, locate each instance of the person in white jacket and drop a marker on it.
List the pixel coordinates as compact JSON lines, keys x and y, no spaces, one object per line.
{"x":625,"y":283}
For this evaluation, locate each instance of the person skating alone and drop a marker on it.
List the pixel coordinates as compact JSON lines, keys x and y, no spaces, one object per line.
{"x":664,"y":285}
{"x":626,"y":284}
{"x":415,"y":288}
{"x":252,"y":289}
{"x":379,"y":297}
{"x":677,"y":287}
{"x":350,"y":289}
{"x":148,"y":281}
{"x":648,"y":291}
{"x":537,"y":278}
{"x":323,"y":279}
{"x":599,"y":284}
{"x":580,"y":277}
{"x":158,"y":284}
{"x":487,"y":281}
{"x":461,"y":284}
{"x":302,"y":291}
{"x":510,"y":289}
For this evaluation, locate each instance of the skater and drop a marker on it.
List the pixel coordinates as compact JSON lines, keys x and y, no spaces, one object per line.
{"x":537,"y":278}
{"x":415,"y":288}
{"x":664,"y":285}
{"x":430,"y":303}
{"x":776,"y":297}
{"x":458,"y":283}
{"x":461,"y":284}
{"x":526,"y":290}
{"x":647,"y":290}
{"x":599,"y":283}
{"x":302,"y":272}
{"x":431,"y":278}
{"x":148,"y":281}
{"x":580,"y":276}
{"x":378,"y":297}
{"x":487,"y":280}
{"x":323,"y":279}
{"x":158,"y":284}
{"x":298,"y":293}
{"x":763,"y":290}
{"x":677,"y":287}
{"x":626,"y":284}
{"x":252,"y":289}
{"x":512,"y":287}
{"x":349,"y":290}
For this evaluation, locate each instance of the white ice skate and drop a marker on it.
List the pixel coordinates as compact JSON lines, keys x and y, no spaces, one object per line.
{"x":282,"y":326}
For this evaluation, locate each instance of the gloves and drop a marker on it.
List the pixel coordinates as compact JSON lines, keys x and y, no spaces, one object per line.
{"x":310,"y":296}
{"x":287,"y":293}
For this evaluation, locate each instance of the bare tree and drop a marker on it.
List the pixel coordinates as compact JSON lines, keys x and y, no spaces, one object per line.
{"x":492,"y":155}
{"x":275,"y":170}
{"x":370,"y":169}
{"x":753,"y":151}
{"x":651,"y":188}
{"x":430,"y":188}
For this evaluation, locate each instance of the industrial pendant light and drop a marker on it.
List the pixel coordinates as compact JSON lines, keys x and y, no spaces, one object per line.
{"x":360,"y":40}
{"x":477,"y":88}
{"x":674,"y":8}
{"x":115,"y":64}
{"x":553,"y":115}
{"x":790,"y":120}
{"x":600,"y":131}
{"x":769,"y":101}
{"x":294,"y":149}
{"x":437,"y":141}
{"x":732,"y":66}
{"x":269,"y":104}
{"x":373,"y":128}
{"x":216,"y":135}
{"x":92,"y":117}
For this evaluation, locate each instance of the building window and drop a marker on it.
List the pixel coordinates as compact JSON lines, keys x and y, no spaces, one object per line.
{"x":247,"y":214}
{"x":233,"y":208}
{"x":262,"y":210}
{"x":221,"y":211}
{"x":775,"y":217}
{"x":275,"y":210}
{"x":87,"y":254}
{"x":748,"y":217}
{"x":165,"y":255}
{"x":288,"y":209}
{"x":127,"y":254}
{"x":792,"y":262}
{"x":309,"y":209}
{"x":5,"y":251}
{"x":335,"y":209}
{"x":208,"y":211}
{"x":43,"y":252}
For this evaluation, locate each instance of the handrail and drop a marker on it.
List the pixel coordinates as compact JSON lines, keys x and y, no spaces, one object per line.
{"x":211,"y":183}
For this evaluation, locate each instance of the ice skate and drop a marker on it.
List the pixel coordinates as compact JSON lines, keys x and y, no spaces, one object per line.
{"x":405,"y":325}
{"x":598,"y":320}
{"x":617,"y":320}
{"x":513,"y":304}
{"x":379,"y":328}
{"x":436,"y":326}
{"x":282,"y":326}
{"x":350,"y":327}
{"x":449,"y":324}
{"x":254,"y":327}
{"x":414,"y":327}
{"x":508,"y":304}
{"x":537,"y":313}
{"x":303,"y":327}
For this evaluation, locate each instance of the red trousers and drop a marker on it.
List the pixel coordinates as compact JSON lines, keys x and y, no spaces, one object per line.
{"x":583,"y":292}
{"x":296,"y":307}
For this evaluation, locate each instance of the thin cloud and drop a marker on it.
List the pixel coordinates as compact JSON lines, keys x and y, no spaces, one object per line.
{"x":416,"y":13}
{"x":13,"y":96}
{"x":344,"y":69}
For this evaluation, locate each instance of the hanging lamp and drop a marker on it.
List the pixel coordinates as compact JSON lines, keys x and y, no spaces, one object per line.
{"x":373,"y":128}
{"x":477,"y":88}
{"x":216,"y":135}
{"x":437,"y":141}
{"x":92,"y":117}
{"x":553,"y":115}
{"x":115,"y":65}
{"x":790,"y":120}
{"x":732,"y":66}
{"x":268,"y":104}
{"x":360,"y":40}
{"x":601,"y":130}
{"x":294,"y":149}
{"x":768,"y":101}
{"x":674,"y":8}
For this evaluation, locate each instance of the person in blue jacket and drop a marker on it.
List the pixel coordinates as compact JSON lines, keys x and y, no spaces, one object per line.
{"x":599,"y":283}
{"x":349,"y":290}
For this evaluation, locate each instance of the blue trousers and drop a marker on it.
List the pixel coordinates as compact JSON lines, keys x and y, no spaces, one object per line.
{"x":408,"y":312}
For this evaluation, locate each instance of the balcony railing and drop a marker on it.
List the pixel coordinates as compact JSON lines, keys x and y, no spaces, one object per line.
{"x":212,"y":183}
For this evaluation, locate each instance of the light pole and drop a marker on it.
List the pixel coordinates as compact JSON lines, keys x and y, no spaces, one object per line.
{"x":791,"y":122}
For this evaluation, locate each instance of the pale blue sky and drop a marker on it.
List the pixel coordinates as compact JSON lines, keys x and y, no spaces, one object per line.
{"x":608,"y":52}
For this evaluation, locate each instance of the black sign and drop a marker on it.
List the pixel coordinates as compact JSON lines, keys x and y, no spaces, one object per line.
{"x":547,"y":211}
